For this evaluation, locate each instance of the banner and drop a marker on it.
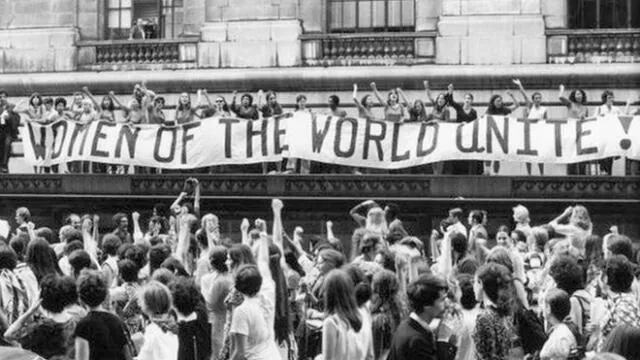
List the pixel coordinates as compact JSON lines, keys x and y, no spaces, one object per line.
{"x":345,"y":141}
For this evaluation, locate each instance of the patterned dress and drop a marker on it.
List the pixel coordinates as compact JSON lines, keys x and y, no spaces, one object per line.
{"x":233,"y":300}
{"x":494,"y":335}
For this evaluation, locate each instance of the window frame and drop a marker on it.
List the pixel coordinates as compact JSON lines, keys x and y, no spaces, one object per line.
{"x":165,"y":12}
{"x":577,"y":7}
{"x":357,"y":29}
{"x":108,"y":10}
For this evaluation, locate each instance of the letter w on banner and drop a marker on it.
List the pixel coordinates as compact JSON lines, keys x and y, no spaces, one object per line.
{"x":344,"y":141}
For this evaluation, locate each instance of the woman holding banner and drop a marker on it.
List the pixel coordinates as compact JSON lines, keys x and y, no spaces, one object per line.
{"x":246,"y":109}
{"x":576,"y":103}
{"x":533,"y":110}
{"x":393,"y":109}
{"x":497,"y":107}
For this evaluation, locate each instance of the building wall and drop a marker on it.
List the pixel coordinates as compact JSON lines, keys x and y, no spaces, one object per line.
{"x":43,"y":35}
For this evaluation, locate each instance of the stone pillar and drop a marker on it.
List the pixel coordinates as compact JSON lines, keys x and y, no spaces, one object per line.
{"x":254,"y":33}
{"x":38,"y":35}
{"x":491,"y":32}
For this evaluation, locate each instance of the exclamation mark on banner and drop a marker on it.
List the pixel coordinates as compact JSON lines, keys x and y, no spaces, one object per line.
{"x":625,"y":143}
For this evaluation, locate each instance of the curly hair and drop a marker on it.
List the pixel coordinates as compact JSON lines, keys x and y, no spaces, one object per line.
{"x":128,"y":270}
{"x":186,"y":296}
{"x":110,"y":244}
{"x":57,"y":292}
{"x":47,"y":339}
{"x":8,"y":257}
{"x":248,"y":280}
{"x":92,"y":289}
{"x":619,"y":271}
{"x":500,"y":255}
{"x":572,"y":96}
{"x":497,"y":284}
{"x":567,"y":273}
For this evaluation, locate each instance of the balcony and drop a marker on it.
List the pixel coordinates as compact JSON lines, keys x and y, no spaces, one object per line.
{"x":154,"y":54}
{"x":406,"y":48}
{"x":596,"y":46}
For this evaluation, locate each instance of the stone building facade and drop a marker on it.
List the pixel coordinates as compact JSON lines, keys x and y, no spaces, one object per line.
{"x":71,"y":35}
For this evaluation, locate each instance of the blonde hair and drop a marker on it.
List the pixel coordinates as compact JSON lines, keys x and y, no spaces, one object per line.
{"x":521,"y":213}
{"x":155,"y":299}
{"x":580,"y":217}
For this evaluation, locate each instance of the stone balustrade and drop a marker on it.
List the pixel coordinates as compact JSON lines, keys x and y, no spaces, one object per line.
{"x":593,"y":46}
{"x":368,"y":49}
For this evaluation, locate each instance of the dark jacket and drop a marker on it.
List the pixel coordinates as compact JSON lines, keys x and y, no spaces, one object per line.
{"x":412,"y":342}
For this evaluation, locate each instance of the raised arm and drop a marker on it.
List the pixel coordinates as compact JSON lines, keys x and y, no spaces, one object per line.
{"x":259,"y":99}
{"x":117,"y":102}
{"x":427,"y":92}
{"x":244,"y":231}
{"x":176,"y":204}
{"x":567,"y":212}
{"x":515,"y":104}
{"x":182,"y":250}
{"x":276,"y":205}
{"x":138,"y":236}
{"x":196,"y":200}
{"x":627,"y":107}
{"x":90,"y":243}
{"x":355,"y":212}
{"x":377,"y":93}
{"x":330,"y":234}
{"x":91,"y":97}
{"x":355,"y":97}
{"x":527,"y":101}
{"x":14,"y":331}
{"x":403,"y":97}
{"x":561,"y":96}
{"x":448,"y":96}
{"x":205,"y":94}
{"x":234,"y":107}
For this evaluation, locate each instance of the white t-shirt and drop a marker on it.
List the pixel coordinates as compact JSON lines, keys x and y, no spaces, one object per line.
{"x":251,"y":320}
{"x":158,"y":344}
{"x":341,"y":341}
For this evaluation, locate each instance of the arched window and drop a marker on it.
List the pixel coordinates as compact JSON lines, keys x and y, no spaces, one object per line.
{"x":604,"y":14}
{"x":350,"y":16}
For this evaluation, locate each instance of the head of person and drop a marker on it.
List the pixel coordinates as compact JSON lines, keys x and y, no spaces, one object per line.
{"x":334,"y":102}
{"x":121,"y":221}
{"x":48,"y":103}
{"x":567,"y":273}
{"x":128,"y":271}
{"x":328,"y":260}
{"x":221,"y":104}
{"x":427,"y":296}
{"x":392,"y":211}
{"x":369,"y":246}
{"x":375,"y":218}
{"x":248,"y":280}
{"x":74,"y":221}
{"x":110,"y":244}
{"x":392,"y":97}
{"x":57,"y":292}
{"x":175,"y":266}
{"x":186,"y":296}
{"x":92,"y":289}
{"x":619,"y":245}
{"x":618,"y":274}
{"x":475,"y":217}
{"x":77,"y":99}
{"x":468,"y":99}
{"x":467,"y":294}
{"x":210,"y":223}
{"x":367,"y":101}
{"x":239,"y":254}
{"x":501,"y":255}
{"x":246,"y":100}
{"x":536,"y":98}
{"x":340,"y":300}
{"x":503,"y":238}
{"x":155,"y":299}
{"x":418,"y":107}
{"x":272,"y":98}
{"x":163,"y":276}
{"x":385,"y":259}
{"x":23,"y":215}
{"x":441,"y":101}
{"x":456,"y":215}
{"x":580,"y":217}
{"x":594,"y":253}
{"x":520,"y":240}
{"x":87,"y":106}
{"x":19,"y":244}
{"x":385,"y":286}
{"x":159,"y":102}
{"x":623,"y":340}
{"x":136,"y":253}
{"x":521,"y":215}
{"x":495,"y":283}
{"x":3,"y":97}
{"x":107,"y":103}
{"x":35,"y":100}
{"x":79,"y":260}
{"x":607,"y":97}
{"x":8,"y":258}
{"x":557,"y":306}
{"x":537,"y":239}
{"x":184,"y":101}
{"x":60,"y":105}
{"x":218,"y":259}
{"x":459,"y":245}
{"x":301,"y":102}
{"x":495,"y":103}
{"x":41,"y":258}
{"x":578,"y":96}
{"x":361,"y":283}
{"x":157,"y":225}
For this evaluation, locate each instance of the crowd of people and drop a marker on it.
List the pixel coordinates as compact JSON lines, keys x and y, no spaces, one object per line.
{"x":147,"y":107}
{"x":180,"y":289}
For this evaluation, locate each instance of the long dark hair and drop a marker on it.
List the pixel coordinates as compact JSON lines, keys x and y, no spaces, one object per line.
{"x":241,"y":254}
{"x":497,"y":283}
{"x":339,"y":298}
{"x":386,"y":295}
{"x":282,"y":324}
{"x":42,"y":259}
{"x":492,"y":109}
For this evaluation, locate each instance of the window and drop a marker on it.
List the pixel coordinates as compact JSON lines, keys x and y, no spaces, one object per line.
{"x":156,"y":18}
{"x":348,"y":16}
{"x":604,"y":14}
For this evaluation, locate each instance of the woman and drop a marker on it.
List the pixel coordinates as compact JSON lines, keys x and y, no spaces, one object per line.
{"x":107,"y":107}
{"x":246,"y":109}
{"x":270,"y":109}
{"x":609,"y":109}
{"x":387,"y":311}
{"x":495,"y":335}
{"x":42,"y":259}
{"x":393,"y":109}
{"x":343,"y":334}
{"x":624,"y":341}
{"x":160,"y":335}
{"x":15,"y":299}
{"x":576,"y":103}
{"x":292,"y":163}
{"x":497,"y":107}
{"x":533,"y":111}
{"x":469,"y":313}
{"x":184,"y":112}
{"x":220,"y":108}
{"x":35,"y":109}
{"x":594,"y":260}
{"x":215,"y":287}
{"x":569,"y":277}
{"x":418,"y":112}
{"x":365,"y":105}
{"x":579,"y":225}
{"x":124,"y":298}
{"x":464,"y":113}
{"x":478,"y":236}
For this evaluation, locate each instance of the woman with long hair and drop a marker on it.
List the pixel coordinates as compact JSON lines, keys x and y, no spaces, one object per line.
{"x":215,"y":287}
{"x":42,"y":259}
{"x":495,"y":330}
{"x":578,"y":225}
{"x":282,"y":321}
{"x":387,"y":310}
{"x":185,"y":113}
{"x":343,"y":333}
{"x":160,"y":335}
{"x":364,"y":105}
{"x":393,"y":109}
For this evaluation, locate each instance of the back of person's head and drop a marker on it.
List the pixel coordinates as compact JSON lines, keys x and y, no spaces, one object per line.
{"x":24,"y":213}
{"x":186,"y":296}
{"x":334,"y":258}
{"x":8,"y":257}
{"x":521,"y":214}
{"x":155,"y":299}
{"x":520,"y":236}
{"x":19,"y":245}
{"x":157,"y":255}
{"x":57,"y":292}
{"x":468,"y":266}
{"x":164,"y":276}
{"x":540,"y":237}
{"x":48,"y":340}
{"x":467,"y":293}
{"x":567,"y":273}
{"x":620,"y":245}
{"x":497,"y":284}
{"x":624,"y":340}
{"x":70,"y":234}
{"x":47,"y":234}
{"x":500,"y":255}
{"x":248,"y":280}
{"x":241,"y":254}
{"x":128,"y":270}
{"x":136,"y":253}
{"x":362,"y":286}
{"x":72,"y":246}
{"x":386,"y":259}
{"x":393,"y":210}
{"x":619,"y":272}
{"x":340,"y":300}
{"x":41,"y":258}
{"x":394,"y":237}
{"x":218,"y":259}
{"x":459,"y":243}
{"x":425,"y":291}
{"x":79,"y":260}
{"x":385,"y":285}
{"x":455,"y":213}
{"x":559,"y":303}
{"x":92,"y":289}
{"x":175,"y":266}
{"x":110,"y":244}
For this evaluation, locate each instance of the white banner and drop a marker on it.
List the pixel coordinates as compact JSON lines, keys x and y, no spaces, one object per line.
{"x":344,"y":141}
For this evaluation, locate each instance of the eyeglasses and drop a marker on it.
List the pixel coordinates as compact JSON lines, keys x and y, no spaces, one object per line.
{"x":219,"y":101}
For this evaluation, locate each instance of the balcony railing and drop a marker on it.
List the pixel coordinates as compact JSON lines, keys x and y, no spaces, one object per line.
{"x":594,"y":46}
{"x":368,"y":49}
{"x":138,"y":54}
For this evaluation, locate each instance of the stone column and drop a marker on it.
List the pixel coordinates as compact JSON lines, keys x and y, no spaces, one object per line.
{"x":491,"y":32}
{"x":251,"y":33}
